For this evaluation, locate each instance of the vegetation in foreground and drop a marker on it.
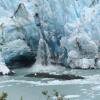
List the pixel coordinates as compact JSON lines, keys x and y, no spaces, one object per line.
{"x":56,"y":96}
{"x":4,"y":96}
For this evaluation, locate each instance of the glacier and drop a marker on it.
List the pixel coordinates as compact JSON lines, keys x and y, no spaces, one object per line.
{"x":60,"y":32}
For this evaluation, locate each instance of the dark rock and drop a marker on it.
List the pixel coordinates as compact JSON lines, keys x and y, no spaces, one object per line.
{"x":61,"y":77}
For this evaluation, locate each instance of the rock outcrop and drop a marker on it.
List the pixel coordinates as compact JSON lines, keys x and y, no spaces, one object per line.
{"x":60,"y":77}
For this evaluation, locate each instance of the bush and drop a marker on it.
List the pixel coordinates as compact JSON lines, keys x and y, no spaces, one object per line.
{"x":56,"y":95}
{"x":3,"y":96}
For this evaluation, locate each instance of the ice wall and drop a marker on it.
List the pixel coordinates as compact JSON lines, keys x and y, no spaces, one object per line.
{"x":71,"y":29}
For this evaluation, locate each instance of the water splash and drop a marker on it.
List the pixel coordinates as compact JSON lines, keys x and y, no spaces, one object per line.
{"x":43,"y":54}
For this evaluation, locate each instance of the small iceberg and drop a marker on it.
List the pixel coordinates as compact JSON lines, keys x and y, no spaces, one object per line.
{"x":4,"y":70}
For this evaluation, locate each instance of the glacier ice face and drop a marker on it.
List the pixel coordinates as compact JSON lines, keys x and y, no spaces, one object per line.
{"x":17,"y":51}
{"x":18,"y":34}
{"x":70,"y":28}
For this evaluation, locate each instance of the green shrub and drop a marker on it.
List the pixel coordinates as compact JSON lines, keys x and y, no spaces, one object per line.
{"x":3,"y":96}
{"x":56,"y":94}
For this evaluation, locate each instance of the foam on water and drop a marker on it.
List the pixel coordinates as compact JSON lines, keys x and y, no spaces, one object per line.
{"x":2,"y":86}
{"x":72,"y":96}
{"x":49,"y":68}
